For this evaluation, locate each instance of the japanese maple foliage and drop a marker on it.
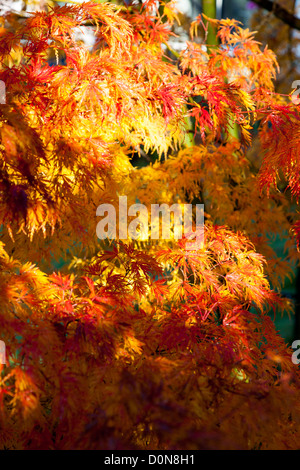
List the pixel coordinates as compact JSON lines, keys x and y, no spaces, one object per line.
{"x":141,"y":345}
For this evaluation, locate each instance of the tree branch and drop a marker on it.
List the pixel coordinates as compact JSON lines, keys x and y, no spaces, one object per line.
{"x":280,"y":12}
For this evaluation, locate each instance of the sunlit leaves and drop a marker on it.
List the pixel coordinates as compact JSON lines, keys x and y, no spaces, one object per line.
{"x":141,"y":345}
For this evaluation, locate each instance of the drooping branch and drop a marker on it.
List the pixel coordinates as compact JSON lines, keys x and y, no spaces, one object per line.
{"x":280,"y":12}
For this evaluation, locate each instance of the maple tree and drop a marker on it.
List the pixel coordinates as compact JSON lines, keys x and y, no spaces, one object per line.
{"x":134,"y":344}
{"x":278,"y":32}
